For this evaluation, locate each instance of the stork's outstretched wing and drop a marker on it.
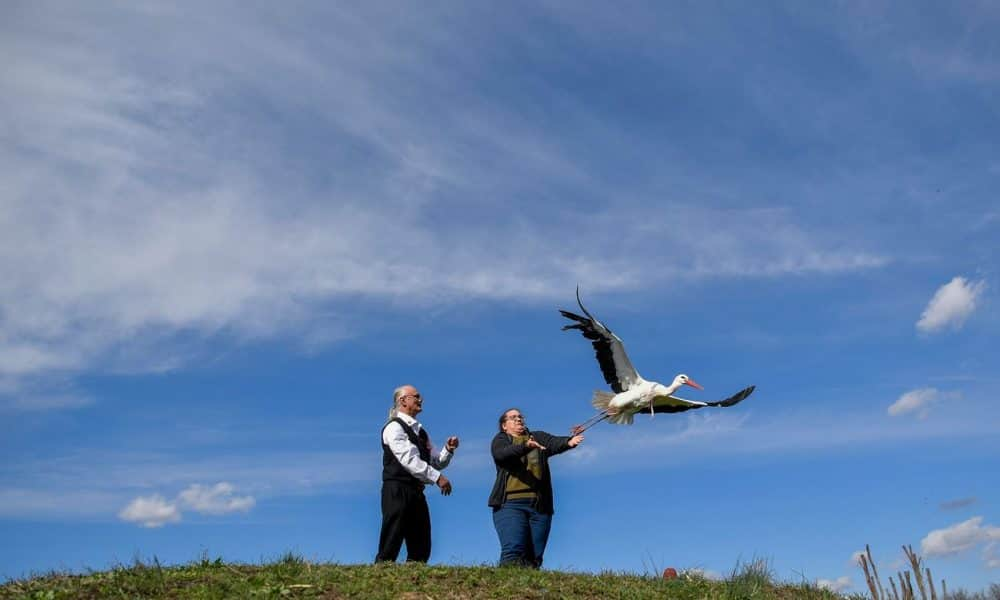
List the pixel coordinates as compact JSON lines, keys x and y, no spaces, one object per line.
{"x":615,"y":365}
{"x":673,"y":404}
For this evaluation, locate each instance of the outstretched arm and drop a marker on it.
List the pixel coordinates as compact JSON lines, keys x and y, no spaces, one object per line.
{"x":557,"y":444}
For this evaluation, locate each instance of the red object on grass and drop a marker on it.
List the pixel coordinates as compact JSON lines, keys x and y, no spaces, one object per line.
{"x":669,"y":573}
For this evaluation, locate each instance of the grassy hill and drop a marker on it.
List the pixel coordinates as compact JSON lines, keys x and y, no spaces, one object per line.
{"x":293,"y":577}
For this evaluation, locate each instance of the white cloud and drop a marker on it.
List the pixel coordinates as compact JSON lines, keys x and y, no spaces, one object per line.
{"x":918,"y":401}
{"x":155,"y":511}
{"x":834,"y":585}
{"x":144,"y":214}
{"x":958,"y":538}
{"x":951,"y":305}
{"x":150,"y":511}
{"x":214,"y":500}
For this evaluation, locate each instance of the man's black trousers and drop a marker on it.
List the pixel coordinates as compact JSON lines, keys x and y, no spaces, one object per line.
{"x":404,"y":517}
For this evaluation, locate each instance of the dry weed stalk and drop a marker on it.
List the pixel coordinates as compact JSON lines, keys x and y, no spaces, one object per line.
{"x":915,"y":563}
{"x":874,"y":583}
{"x":905,"y":579}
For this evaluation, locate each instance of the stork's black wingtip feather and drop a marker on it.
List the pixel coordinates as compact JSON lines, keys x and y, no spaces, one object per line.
{"x":573,"y":316}
{"x":736,"y":398}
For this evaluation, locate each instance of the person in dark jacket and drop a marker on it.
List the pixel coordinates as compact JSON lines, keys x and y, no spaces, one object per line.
{"x":522,"y":494}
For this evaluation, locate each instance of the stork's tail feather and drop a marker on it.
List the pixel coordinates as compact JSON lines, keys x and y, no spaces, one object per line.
{"x":602,"y":399}
{"x":623,"y":418}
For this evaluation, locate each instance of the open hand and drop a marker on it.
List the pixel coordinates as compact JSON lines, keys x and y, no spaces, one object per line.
{"x":531,"y":443}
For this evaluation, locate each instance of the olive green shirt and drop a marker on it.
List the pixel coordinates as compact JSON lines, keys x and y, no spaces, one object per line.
{"x":524,"y":486}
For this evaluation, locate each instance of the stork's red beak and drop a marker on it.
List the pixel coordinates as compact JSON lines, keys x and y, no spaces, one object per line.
{"x":693,"y":383}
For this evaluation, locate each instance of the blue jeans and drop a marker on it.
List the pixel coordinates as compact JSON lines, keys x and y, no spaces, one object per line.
{"x":523,"y":533}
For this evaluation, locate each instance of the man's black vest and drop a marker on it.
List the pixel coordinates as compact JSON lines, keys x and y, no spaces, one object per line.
{"x":392,"y":470}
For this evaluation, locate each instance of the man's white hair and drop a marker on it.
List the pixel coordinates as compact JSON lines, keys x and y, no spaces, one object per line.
{"x":396,"y":395}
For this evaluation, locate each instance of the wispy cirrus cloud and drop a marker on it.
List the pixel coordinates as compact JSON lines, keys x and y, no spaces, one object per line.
{"x":154,"y":202}
{"x":991,"y":555}
{"x":664,"y":441}
{"x":957,"y":503}
{"x":98,"y":483}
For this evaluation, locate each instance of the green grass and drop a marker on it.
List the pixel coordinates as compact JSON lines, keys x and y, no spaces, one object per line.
{"x":293,"y":577}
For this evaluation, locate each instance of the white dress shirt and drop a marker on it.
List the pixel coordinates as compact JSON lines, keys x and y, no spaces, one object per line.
{"x":407,"y":453}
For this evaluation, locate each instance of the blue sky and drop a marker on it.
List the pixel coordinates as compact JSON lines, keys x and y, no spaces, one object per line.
{"x":227,"y":233}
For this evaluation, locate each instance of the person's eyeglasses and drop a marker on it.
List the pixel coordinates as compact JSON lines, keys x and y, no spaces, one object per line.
{"x":515,"y":418}
{"x":417,"y":396}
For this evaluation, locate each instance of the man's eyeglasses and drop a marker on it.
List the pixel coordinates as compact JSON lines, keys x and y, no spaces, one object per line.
{"x":515,"y":418}
{"x":417,"y":396}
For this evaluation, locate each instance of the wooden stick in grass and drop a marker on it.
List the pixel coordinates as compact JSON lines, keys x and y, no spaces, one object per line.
{"x":868,"y":579}
{"x":915,"y":563}
{"x":868,"y":551}
{"x":930,"y":584}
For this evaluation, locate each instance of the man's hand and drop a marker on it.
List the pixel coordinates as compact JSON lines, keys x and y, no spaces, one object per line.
{"x":576,"y":430}
{"x":445,"y":485}
{"x":451,"y":444}
{"x":575,"y":440}
{"x":531,"y":443}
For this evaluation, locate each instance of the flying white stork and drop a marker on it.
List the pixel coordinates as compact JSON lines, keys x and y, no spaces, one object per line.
{"x":632,"y":393}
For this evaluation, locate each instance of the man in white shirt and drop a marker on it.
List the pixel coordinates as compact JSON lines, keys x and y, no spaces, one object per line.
{"x":408,"y":463}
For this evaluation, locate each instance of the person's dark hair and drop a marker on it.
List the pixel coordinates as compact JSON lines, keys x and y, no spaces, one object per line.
{"x":503,"y":416}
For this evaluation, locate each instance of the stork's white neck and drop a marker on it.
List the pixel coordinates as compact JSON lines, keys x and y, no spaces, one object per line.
{"x":674,"y":386}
